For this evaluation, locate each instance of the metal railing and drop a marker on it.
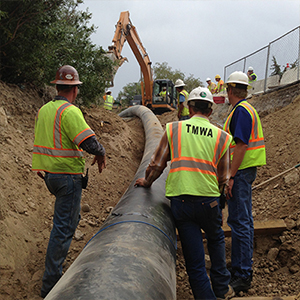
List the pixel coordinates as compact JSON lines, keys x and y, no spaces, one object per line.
{"x":282,"y":52}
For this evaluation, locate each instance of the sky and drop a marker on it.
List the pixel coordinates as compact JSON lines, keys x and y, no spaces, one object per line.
{"x":196,"y":37}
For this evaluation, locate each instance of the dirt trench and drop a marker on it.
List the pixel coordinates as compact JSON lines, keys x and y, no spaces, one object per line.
{"x":26,"y":206}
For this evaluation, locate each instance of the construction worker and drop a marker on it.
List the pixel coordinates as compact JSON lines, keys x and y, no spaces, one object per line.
{"x":183,"y":111}
{"x":199,"y":154}
{"x":220,"y":85}
{"x":251,"y":75}
{"x":247,"y":153}
{"x":60,"y":134}
{"x":109,"y":100}
{"x":211,"y":85}
{"x":163,"y":93}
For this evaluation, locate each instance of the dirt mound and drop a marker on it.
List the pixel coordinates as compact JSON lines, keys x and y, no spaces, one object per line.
{"x":26,"y":206}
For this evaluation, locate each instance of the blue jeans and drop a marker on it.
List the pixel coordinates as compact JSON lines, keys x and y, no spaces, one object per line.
{"x":192,"y":214}
{"x":67,"y":189}
{"x":240,"y":221}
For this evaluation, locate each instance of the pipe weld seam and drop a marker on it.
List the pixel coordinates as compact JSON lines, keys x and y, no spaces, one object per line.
{"x":132,"y":221}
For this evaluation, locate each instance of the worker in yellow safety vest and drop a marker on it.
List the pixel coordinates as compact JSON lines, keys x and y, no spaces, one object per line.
{"x":220,"y":85}
{"x":247,"y":153}
{"x":60,"y":134}
{"x":210,"y":85}
{"x":199,"y":170}
{"x":108,"y":100}
{"x":182,"y":96}
{"x":163,"y":93}
{"x":251,"y":75}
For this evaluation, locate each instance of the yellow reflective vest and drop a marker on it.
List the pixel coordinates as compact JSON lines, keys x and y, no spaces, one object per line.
{"x":255,"y":155}
{"x":250,"y":81}
{"x":219,"y":89}
{"x":60,"y":128}
{"x":196,"y":147}
{"x":109,"y":101}
{"x":211,"y":87}
{"x":185,"y":110}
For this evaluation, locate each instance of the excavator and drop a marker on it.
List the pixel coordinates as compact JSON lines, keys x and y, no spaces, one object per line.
{"x":158,"y":95}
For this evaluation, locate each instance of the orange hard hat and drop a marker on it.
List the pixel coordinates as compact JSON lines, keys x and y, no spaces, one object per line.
{"x":67,"y":75}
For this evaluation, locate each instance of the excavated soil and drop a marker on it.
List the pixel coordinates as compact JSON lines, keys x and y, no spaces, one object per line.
{"x":26,"y":206}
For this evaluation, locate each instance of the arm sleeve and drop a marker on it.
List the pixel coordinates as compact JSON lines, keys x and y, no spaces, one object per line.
{"x":241,"y":125}
{"x":181,"y":98}
{"x":92,"y":146}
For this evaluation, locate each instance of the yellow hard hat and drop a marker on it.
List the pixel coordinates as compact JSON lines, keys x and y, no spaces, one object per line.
{"x":217,"y":76}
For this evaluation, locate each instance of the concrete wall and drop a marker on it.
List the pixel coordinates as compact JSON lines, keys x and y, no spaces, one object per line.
{"x":259,"y":85}
{"x":289,"y":76}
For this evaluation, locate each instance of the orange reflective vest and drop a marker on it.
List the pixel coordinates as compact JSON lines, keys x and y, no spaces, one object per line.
{"x":196,"y":147}
{"x":256,"y":152}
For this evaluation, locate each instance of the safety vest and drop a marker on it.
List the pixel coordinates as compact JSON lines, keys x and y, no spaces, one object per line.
{"x":211,"y":87}
{"x":108,"y":104}
{"x":59,"y":130}
{"x":196,"y":147}
{"x":250,"y":81}
{"x":163,"y":93}
{"x":218,"y":90}
{"x":255,"y":155}
{"x":185,"y":110}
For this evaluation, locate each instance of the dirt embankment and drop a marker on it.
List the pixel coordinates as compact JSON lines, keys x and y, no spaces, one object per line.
{"x":26,"y":206}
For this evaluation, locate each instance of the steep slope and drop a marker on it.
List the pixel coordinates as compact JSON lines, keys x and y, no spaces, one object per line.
{"x":26,"y":206}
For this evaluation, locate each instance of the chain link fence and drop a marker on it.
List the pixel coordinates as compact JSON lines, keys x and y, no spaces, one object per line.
{"x":275,"y":64}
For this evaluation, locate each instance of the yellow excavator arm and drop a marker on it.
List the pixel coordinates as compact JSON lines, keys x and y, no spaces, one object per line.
{"x":125,"y":31}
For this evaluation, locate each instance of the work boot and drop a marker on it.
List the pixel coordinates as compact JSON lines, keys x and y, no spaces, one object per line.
{"x":241,"y":284}
{"x":230,"y":294}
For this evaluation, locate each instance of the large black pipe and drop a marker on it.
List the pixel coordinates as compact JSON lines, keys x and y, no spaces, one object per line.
{"x":133,"y":255}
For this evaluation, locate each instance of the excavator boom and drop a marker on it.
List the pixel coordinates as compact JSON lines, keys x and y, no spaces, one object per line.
{"x":125,"y":31}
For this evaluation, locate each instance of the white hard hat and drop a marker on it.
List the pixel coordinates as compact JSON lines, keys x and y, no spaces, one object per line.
{"x":200,"y":94}
{"x":179,"y":83}
{"x":250,"y":69}
{"x":238,"y":77}
{"x":208,"y":79}
{"x":108,"y":91}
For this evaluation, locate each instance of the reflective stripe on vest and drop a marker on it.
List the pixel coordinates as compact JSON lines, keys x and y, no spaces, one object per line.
{"x":185,"y":110}
{"x":56,"y":153}
{"x":108,"y":104}
{"x":256,"y":153}
{"x":196,"y":148}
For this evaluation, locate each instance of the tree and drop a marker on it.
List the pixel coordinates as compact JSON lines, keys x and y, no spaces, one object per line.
{"x":128,"y":91}
{"x":37,"y":37}
{"x":275,"y":67}
{"x":164,"y":71}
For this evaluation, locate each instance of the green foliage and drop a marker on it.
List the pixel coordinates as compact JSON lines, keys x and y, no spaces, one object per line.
{"x":128,"y":91}
{"x":37,"y":37}
{"x":294,"y":64}
{"x":164,"y":71}
{"x":275,"y":67}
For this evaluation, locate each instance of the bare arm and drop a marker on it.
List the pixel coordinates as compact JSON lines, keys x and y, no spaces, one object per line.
{"x":157,"y":164}
{"x":180,"y":110}
{"x":224,"y":170}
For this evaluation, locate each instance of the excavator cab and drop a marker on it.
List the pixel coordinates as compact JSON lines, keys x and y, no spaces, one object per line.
{"x":164,"y":96}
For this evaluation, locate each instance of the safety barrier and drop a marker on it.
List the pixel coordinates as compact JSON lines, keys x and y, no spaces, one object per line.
{"x":275,"y":65}
{"x":133,"y":255}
